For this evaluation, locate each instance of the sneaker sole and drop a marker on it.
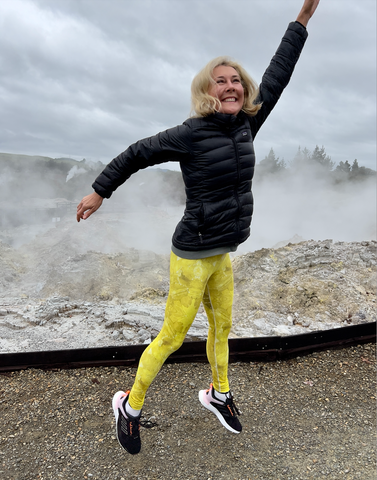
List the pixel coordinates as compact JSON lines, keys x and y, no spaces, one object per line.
{"x":208,"y":406}
{"x":116,"y":413}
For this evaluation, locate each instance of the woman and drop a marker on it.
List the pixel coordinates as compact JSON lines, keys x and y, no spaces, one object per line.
{"x":216,"y":155}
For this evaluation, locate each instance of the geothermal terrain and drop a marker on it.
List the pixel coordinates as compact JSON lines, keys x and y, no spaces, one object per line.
{"x":104,"y":281}
{"x":58,"y":293}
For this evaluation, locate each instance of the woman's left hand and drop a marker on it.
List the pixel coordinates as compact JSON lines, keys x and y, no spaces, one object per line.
{"x":307,"y":11}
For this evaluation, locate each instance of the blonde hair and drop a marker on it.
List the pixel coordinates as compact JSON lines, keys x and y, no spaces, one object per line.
{"x":203,"y":104}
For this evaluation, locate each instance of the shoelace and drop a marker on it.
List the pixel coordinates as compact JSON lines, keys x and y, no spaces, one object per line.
{"x":233,"y":406}
{"x":230,"y":403}
{"x":147,"y":423}
{"x":137,"y":421}
{"x":135,"y":424}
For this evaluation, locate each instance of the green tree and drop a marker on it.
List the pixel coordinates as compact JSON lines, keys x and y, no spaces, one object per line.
{"x":320,"y":157}
{"x":344,"y":167}
{"x":355,"y":167}
{"x":271,"y":164}
{"x":360,"y":173}
{"x":301,"y":159}
{"x":342,"y":172}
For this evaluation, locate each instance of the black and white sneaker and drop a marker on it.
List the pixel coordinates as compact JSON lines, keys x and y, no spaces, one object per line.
{"x":127,"y":427}
{"x":226,"y":411}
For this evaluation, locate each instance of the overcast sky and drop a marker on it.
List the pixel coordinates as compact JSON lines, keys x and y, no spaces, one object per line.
{"x":86,"y":78}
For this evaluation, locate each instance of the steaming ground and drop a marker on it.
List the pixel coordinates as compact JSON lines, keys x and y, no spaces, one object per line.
{"x":105,"y":281}
{"x":302,"y":206}
{"x":97,"y":284}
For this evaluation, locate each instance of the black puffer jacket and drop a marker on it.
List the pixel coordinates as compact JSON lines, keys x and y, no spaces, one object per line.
{"x":216,"y":156}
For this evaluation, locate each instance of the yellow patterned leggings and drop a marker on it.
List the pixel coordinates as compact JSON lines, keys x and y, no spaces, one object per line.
{"x":208,"y":280}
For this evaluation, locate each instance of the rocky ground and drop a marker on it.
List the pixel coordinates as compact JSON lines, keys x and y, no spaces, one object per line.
{"x":60,"y":290}
{"x":304,"y":418}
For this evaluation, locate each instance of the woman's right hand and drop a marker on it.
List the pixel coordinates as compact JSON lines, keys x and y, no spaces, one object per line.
{"x":88,"y":205}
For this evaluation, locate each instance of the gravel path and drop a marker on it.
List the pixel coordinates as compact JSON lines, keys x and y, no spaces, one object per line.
{"x":304,"y":418}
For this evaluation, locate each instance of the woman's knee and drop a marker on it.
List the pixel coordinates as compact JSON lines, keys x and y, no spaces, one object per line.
{"x":169,"y":343}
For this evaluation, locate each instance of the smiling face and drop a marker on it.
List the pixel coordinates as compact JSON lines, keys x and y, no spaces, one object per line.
{"x":228,"y":89}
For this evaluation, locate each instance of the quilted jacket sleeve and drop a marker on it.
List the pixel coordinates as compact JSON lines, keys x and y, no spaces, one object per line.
{"x":170,"y":145}
{"x":279,"y":72}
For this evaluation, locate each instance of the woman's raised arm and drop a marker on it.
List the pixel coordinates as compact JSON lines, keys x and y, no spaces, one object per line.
{"x":307,"y":11}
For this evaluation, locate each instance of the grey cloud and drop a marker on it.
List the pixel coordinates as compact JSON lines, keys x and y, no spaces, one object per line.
{"x":85,"y":79}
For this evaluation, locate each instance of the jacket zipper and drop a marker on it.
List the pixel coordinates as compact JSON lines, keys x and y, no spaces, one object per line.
{"x":237,"y":185}
{"x":201,"y":222}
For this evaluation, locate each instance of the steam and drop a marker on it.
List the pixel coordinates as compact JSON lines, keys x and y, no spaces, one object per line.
{"x":85,"y":166}
{"x":5,"y":179}
{"x":298,"y":208}
{"x":144,"y":212}
{"x":75,"y":170}
{"x":311,"y":208}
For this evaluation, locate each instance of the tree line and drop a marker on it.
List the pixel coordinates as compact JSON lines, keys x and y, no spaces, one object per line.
{"x":317,"y":162}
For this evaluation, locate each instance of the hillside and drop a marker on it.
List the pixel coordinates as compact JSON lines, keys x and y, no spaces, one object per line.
{"x":34,"y":187}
